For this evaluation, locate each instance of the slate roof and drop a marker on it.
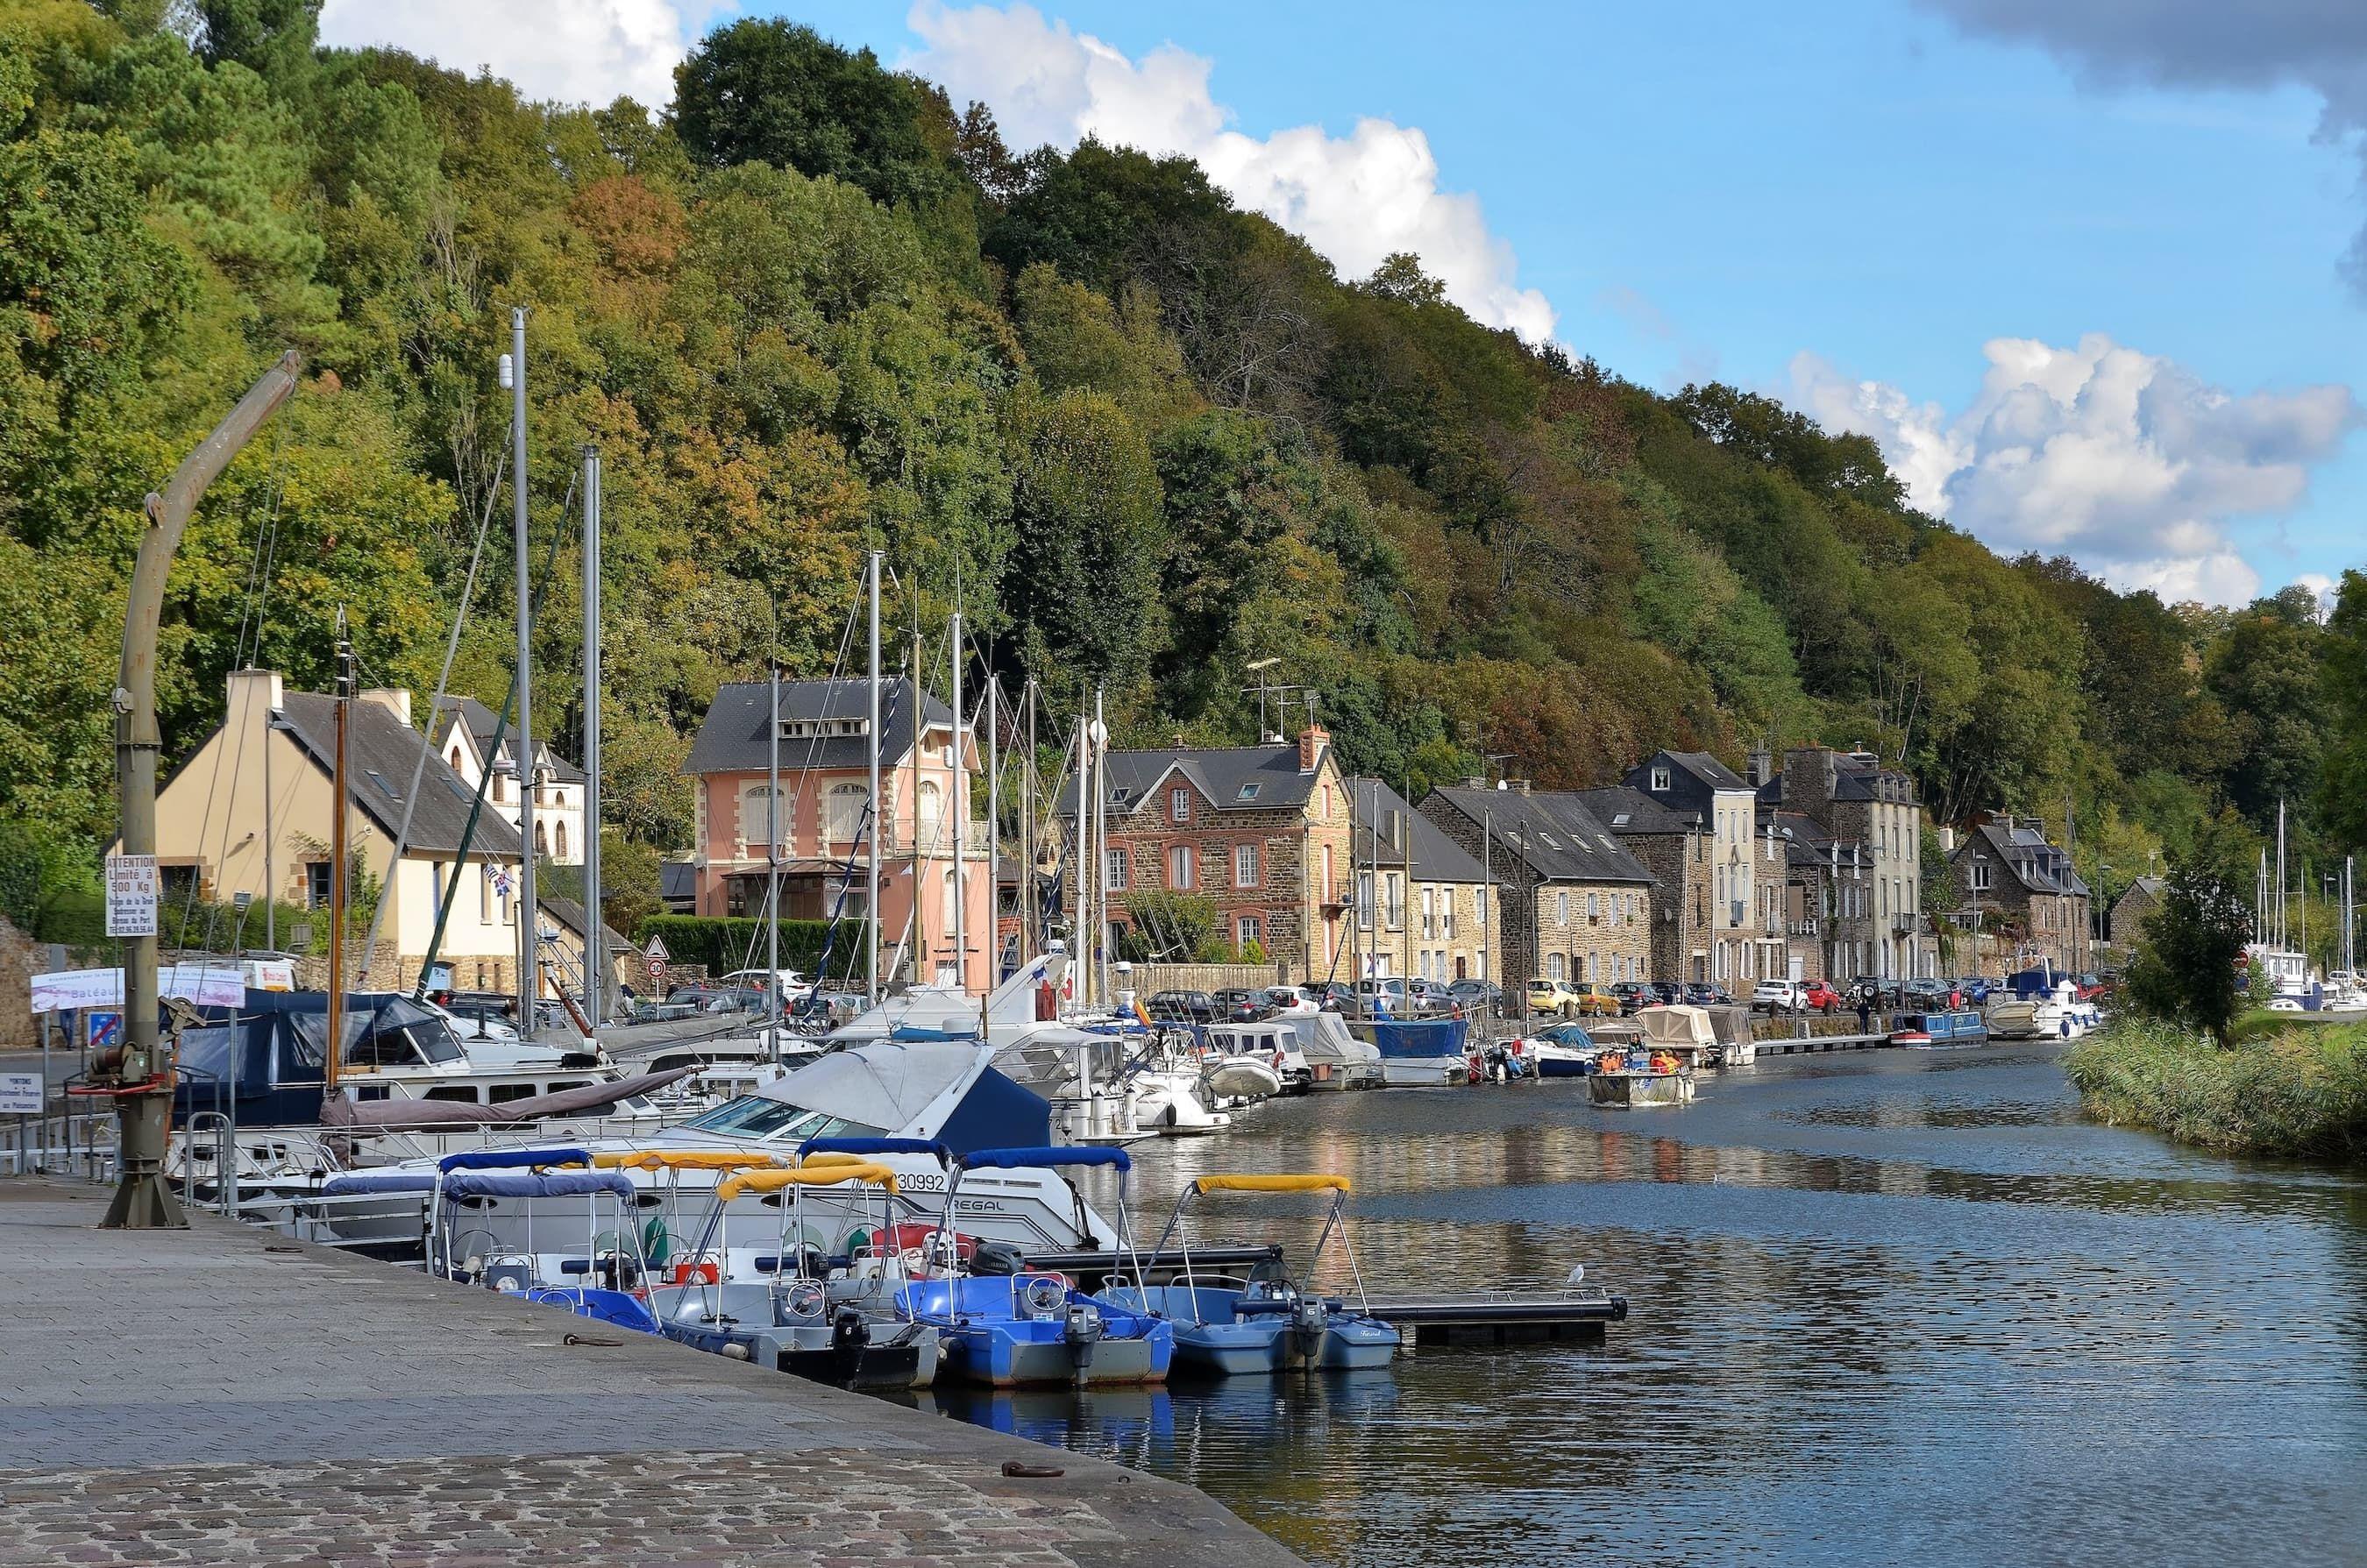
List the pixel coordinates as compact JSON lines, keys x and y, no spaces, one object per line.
{"x":1630,"y":811}
{"x":2151,"y":887}
{"x":732,"y":739}
{"x":1436,"y":857}
{"x":482,"y":721}
{"x":1693,"y":778}
{"x":677,"y":882}
{"x":571,"y":915}
{"x":381,"y":751}
{"x":1552,"y":831}
{"x":1219,"y":772}
{"x":2038,"y":866}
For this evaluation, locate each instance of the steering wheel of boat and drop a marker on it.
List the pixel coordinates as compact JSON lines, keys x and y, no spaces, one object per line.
{"x":467,"y":1244}
{"x":1044,"y":1294}
{"x":804,"y":1300}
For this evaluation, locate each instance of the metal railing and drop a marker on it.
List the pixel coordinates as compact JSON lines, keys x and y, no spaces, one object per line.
{"x":76,"y":1144}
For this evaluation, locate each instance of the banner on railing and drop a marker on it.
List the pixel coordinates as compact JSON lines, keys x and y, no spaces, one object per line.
{"x":72,"y":990}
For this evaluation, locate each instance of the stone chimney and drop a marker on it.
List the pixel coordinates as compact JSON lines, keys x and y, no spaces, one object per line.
{"x":1759,"y":767}
{"x":396,"y":700}
{"x":1312,"y":741}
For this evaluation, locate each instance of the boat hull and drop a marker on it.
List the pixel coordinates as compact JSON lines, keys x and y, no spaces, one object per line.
{"x":995,"y":1356}
{"x":1638,"y":1090}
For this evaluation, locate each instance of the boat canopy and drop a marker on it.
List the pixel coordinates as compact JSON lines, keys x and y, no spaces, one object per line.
{"x":1261,"y":1183}
{"x":268,"y":1054}
{"x":400,"y":1110}
{"x":929,"y":1147}
{"x":682,"y":1159}
{"x":776,"y":1180}
{"x":1676,"y":1026}
{"x":943,"y":1090}
{"x":1029,"y":1159}
{"x":537,"y":1184}
{"x":378,"y":1181}
{"x":512,"y":1159}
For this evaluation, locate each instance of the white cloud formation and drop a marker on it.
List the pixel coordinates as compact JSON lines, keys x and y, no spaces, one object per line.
{"x":568,"y":50}
{"x":2124,"y":460}
{"x":1355,"y":198}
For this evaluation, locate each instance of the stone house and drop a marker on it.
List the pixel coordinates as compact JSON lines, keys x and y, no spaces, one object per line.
{"x":464,"y":734}
{"x":1828,"y":890}
{"x":824,"y":821}
{"x":251,"y":811}
{"x":1854,"y":799}
{"x":1424,"y":906}
{"x":1574,"y":904}
{"x":1674,"y":846}
{"x":2126,"y":920}
{"x":1262,"y":831}
{"x":1742,"y":933}
{"x":2005,"y":868}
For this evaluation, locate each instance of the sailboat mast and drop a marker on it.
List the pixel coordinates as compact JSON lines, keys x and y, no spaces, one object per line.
{"x":873,"y":740}
{"x":595,"y":930}
{"x":522,"y":745}
{"x":1100,"y":737}
{"x":957,"y":800}
{"x":1030,"y":942}
{"x":334,"y":1051}
{"x":994,"y":833}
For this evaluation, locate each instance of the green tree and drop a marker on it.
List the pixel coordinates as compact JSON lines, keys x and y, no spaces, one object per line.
{"x":1082,"y":593}
{"x":2185,"y":970}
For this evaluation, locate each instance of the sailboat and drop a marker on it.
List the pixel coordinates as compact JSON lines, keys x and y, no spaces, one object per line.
{"x":2294,"y":987}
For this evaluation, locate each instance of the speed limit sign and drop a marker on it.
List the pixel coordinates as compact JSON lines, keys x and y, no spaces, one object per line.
{"x":656,"y":968}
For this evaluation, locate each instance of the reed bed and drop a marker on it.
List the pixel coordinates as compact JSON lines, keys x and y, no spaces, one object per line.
{"x":2295,"y":1089}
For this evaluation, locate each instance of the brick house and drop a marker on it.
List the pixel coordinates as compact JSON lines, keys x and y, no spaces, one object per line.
{"x":2132,"y":909}
{"x":1855,"y":800}
{"x":1574,"y":904}
{"x":825,"y":755}
{"x":1424,"y":906}
{"x":2005,"y":868}
{"x":1262,"y":831}
{"x":1674,"y":847}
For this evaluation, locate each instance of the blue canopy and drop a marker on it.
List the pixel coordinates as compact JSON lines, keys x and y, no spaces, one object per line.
{"x":538,"y":1184}
{"x":876,"y":1147}
{"x":511,"y":1159}
{"x":379,"y":1181}
{"x":1016,"y":1159}
{"x":921,"y":1032}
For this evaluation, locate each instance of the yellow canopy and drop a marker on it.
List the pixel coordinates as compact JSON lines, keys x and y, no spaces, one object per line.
{"x":834,"y":1157}
{"x":1208,"y":1184}
{"x":805,"y":1175}
{"x":681,"y":1159}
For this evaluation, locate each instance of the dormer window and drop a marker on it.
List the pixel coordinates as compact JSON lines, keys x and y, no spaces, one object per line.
{"x":1660,"y":777}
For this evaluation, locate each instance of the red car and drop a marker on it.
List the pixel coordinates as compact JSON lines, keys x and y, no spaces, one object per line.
{"x":1815,"y":994}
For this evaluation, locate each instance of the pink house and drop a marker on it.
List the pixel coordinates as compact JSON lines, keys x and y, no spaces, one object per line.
{"x":825,"y":759}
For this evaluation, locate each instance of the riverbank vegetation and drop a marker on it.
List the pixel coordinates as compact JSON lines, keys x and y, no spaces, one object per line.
{"x":2286,"y":1089}
{"x":812,"y":305}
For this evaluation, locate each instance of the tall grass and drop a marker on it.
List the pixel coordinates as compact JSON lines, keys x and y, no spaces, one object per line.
{"x":2298,"y":1090}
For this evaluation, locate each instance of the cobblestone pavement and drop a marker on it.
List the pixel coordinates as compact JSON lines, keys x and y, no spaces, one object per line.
{"x":221,"y":1397}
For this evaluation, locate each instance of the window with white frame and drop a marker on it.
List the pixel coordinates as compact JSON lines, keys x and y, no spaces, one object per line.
{"x":1249,"y":929}
{"x":1364,"y":899}
{"x":1178,"y":867}
{"x":1594,"y":906}
{"x":1179,"y":804}
{"x":1561,"y":909}
{"x":1978,"y":878}
{"x":1428,"y":913}
{"x":842,"y":812}
{"x":1393,"y":887}
{"x":1114,"y":871}
{"x":1245,"y":865}
{"x":1554,"y":970}
{"x":1660,"y":778}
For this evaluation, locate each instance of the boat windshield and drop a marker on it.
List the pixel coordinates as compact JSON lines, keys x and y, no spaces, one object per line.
{"x":758,"y":1116}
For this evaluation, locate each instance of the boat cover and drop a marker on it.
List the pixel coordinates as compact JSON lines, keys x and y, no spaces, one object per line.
{"x":339,"y":1111}
{"x":266,"y":1054}
{"x":1324,"y":1037}
{"x":1677,"y":1026}
{"x":775,"y":1180}
{"x":1276,"y":1183}
{"x":537,"y":1184}
{"x":904,"y":1085}
{"x":379,"y":1181}
{"x":511,"y":1159}
{"x":681,"y":1159}
{"x":1419,"y":1039}
{"x":1029,"y":1159}
{"x":876,"y":1147}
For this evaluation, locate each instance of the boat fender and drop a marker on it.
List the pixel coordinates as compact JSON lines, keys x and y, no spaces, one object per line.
{"x":696,"y":1271}
{"x":735,"y":1351}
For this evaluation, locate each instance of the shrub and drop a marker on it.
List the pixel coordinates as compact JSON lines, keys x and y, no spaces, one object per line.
{"x":727,"y":943}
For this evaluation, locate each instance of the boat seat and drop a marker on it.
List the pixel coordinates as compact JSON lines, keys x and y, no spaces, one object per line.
{"x":770,"y":1264}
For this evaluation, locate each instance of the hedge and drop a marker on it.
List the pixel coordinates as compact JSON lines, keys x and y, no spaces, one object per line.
{"x":725,"y":944}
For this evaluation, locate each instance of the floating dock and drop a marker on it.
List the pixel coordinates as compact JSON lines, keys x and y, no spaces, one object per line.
{"x":1500,"y":1318}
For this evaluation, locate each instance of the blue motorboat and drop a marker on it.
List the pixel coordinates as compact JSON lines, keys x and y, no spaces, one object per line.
{"x":1028,"y":1327}
{"x":1419,"y":1053}
{"x":1267,"y":1323}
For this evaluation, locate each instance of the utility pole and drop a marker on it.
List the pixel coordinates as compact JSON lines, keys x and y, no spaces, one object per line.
{"x":522,"y":747}
{"x":595,"y":930}
{"x":143,"y":1200}
{"x":333,"y":1052}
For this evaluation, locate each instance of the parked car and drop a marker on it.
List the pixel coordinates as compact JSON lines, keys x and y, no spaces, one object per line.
{"x":1670,"y":992}
{"x":1594,"y":1001}
{"x":1239,"y":1004}
{"x":1817,"y":995}
{"x":1428,"y":996}
{"x":1976,"y":990}
{"x":1181,"y":1007}
{"x":1334,"y":996}
{"x":1290,"y":1001}
{"x":1633,"y":996}
{"x":1384,"y":993}
{"x":1478,"y":996}
{"x":1553,"y":997}
{"x":1702,"y":994}
{"x":1777,"y":996}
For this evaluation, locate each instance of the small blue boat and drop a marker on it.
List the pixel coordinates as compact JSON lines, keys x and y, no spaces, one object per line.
{"x":1032,"y":1327}
{"x":1419,"y":1053}
{"x":1267,"y":1323}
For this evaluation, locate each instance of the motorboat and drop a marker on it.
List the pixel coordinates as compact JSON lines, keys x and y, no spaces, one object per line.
{"x":1267,"y":1323}
{"x":1636,"y":1079}
{"x":788,"y":1318}
{"x":1689,"y":1034}
{"x":1961,"y":1026}
{"x":1423,"y":1053}
{"x":1037,"y":1327}
{"x":1170,"y":1095}
{"x":1334,"y":1057}
{"x":1563,"y":1051}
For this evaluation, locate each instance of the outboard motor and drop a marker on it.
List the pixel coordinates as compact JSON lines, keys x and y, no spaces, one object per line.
{"x":1308,"y":1317}
{"x":1083,"y":1331}
{"x":850,"y":1335}
{"x":997,"y":1258}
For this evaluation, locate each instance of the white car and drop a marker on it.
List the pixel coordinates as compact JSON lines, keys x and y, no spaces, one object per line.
{"x":1289,"y":1001}
{"x":753,"y":979}
{"x":1777,"y":996}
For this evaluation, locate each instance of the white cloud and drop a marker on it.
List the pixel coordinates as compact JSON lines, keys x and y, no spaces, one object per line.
{"x":2122,"y":459}
{"x":569,"y":51}
{"x":1355,"y":198}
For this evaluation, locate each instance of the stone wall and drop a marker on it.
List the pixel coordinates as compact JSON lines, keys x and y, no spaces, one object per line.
{"x":1151,"y":979}
{"x":1606,"y":946}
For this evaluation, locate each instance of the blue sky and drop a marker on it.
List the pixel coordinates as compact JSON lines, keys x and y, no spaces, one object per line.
{"x":1723,"y":189}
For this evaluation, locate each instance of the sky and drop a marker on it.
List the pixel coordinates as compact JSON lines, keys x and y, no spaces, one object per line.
{"x":2093,"y":272}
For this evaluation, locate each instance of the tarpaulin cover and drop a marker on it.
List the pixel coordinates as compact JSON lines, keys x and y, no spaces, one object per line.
{"x":1272,"y":1184}
{"x":876,"y":1147}
{"x":339,"y":1111}
{"x":537,"y":1184}
{"x":1676,"y":1026}
{"x":511,"y":1159}
{"x":379,"y":1181}
{"x":1027,"y":1159}
{"x":803,"y":1176}
{"x":680,"y":1159}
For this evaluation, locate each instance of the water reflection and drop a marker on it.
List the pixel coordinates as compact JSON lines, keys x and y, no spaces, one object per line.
{"x":1887,"y":1307}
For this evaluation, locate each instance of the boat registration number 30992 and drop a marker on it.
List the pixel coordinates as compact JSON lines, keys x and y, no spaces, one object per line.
{"x":923,"y":1183}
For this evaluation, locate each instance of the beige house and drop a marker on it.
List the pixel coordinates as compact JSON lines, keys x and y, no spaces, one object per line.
{"x":1424,"y":906}
{"x":1577,"y":905}
{"x":251,"y":811}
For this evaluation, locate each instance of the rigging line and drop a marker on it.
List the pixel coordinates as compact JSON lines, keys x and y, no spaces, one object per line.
{"x":259,"y":581}
{"x":434,"y":710}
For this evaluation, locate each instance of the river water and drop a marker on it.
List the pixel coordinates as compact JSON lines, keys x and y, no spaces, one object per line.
{"x":1887,"y":1307}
